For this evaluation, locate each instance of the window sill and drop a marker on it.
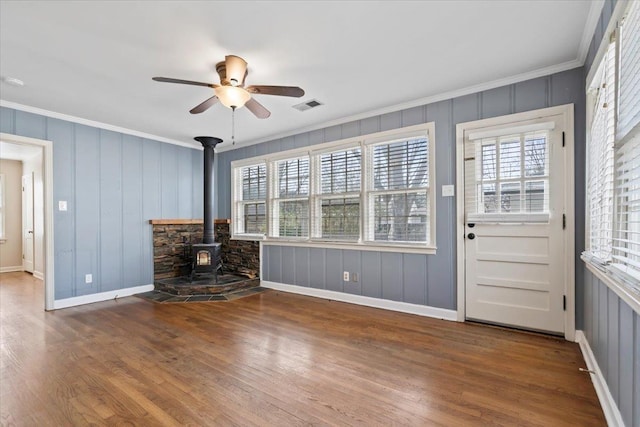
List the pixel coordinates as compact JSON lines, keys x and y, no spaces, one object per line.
{"x":410,"y":249}
{"x":2,"y":241}
{"x":620,"y":289}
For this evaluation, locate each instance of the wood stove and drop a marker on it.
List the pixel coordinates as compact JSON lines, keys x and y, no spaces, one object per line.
{"x":207,"y":259}
{"x":207,"y":256}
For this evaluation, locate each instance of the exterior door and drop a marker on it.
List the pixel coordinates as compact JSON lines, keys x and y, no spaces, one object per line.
{"x":514,"y":224}
{"x":27,"y":223}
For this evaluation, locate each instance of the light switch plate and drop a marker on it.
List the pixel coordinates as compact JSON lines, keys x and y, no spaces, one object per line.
{"x":448,"y":191}
{"x":62,"y":205}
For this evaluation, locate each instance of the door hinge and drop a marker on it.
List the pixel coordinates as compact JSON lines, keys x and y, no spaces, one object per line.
{"x":564,"y":221}
{"x":564,"y":303}
{"x":563,"y":139}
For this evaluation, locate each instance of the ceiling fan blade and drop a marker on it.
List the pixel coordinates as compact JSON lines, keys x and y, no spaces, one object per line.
{"x":204,"y":105}
{"x":236,"y":69}
{"x":276,"y":90}
{"x":257,"y":109}
{"x":184,"y":82}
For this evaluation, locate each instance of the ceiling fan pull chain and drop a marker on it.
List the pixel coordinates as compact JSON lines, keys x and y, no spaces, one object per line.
{"x":233,"y":125}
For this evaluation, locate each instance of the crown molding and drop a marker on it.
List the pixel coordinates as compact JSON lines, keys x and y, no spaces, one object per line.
{"x":595,"y":11}
{"x":92,"y":123}
{"x":541,"y":72}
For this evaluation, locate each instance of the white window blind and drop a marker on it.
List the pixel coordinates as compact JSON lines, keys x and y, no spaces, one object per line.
{"x":626,"y":241}
{"x":629,"y":89}
{"x":508,"y":178}
{"x":601,"y":161}
{"x":251,"y":194}
{"x":339,"y":200}
{"x":290,"y":198}
{"x":399,"y":196}
{"x":613,"y":148}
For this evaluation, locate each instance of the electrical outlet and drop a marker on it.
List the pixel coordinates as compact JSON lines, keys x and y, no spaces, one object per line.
{"x":88,"y":278}
{"x":354,"y":277}
{"x":345,"y":276}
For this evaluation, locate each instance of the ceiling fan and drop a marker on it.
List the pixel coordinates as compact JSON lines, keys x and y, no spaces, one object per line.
{"x":231,"y":91}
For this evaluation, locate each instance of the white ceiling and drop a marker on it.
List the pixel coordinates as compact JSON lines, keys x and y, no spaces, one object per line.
{"x":95,"y":59}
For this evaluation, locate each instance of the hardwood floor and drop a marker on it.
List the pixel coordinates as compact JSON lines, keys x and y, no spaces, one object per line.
{"x":275,"y":359}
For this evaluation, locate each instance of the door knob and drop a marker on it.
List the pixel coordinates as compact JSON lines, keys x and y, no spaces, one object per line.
{"x":471,"y":236}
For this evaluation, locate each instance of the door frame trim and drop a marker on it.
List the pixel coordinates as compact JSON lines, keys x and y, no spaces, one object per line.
{"x":567,"y":111}
{"x":47,"y":181}
{"x":24,"y":214}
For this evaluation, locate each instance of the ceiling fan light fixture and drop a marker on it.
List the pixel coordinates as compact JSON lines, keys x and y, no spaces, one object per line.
{"x":232,"y":96}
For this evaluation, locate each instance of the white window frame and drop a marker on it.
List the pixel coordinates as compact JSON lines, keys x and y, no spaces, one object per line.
{"x":274,"y":200}
{"x":237,"y":208}
{"x":605,"y":266}
{"x":371,"y":192}
{"x":318,"y":196}
{"x":365,"y":143}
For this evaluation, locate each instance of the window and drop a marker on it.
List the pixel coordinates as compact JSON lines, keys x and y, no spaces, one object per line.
{"x":600,"y":184}
{"x":613,"y":181}
{"x":368,"y":191}
{"x":2,"y":206}
{"x":290,"y":199}
{"x":250,"y":199}
{"x":339,"y":199}
{"x":399,"y":192}
{"x":513,"y":174}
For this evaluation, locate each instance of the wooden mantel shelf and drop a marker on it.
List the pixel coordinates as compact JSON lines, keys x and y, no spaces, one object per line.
{"x":185,"y":221}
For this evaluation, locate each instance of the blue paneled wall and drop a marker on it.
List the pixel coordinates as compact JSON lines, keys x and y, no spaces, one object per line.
{"x":612,"y":328}
{"x":421,"y":279}
{"x":113,"y":184}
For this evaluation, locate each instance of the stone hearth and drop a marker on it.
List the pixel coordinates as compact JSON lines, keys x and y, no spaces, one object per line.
{"x":172,"y":240}
{"x":204,"y":285}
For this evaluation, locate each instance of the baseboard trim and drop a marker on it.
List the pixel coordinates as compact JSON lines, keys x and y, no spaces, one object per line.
{"x":609,"y":406}
{"x":38,"y":275}
{"x":102,"y":296}
{"x":11,"y":269}
{"x":404,"y":307}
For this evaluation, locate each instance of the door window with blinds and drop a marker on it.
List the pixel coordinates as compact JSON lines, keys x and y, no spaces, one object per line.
{"x":613,"y":147}
{"x":372,"y":190}
{"x":507,"y":175}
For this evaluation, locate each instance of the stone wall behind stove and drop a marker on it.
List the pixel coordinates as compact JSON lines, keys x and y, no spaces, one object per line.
{"x":172,"y":240}
{"x":241,"y":256}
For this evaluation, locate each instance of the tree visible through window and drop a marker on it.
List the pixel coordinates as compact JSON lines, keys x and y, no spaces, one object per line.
{"x":399,"y":196}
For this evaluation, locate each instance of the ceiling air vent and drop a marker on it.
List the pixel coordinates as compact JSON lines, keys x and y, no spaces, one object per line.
{"x":307,"y":105}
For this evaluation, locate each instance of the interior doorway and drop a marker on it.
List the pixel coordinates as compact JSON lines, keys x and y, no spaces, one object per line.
{"x":38,"y":206}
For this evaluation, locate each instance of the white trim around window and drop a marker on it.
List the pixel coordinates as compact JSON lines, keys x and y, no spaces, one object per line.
{"x":352,"y":201}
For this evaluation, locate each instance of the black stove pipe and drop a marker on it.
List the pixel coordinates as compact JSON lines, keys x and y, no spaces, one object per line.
{"x":209,"y":143}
